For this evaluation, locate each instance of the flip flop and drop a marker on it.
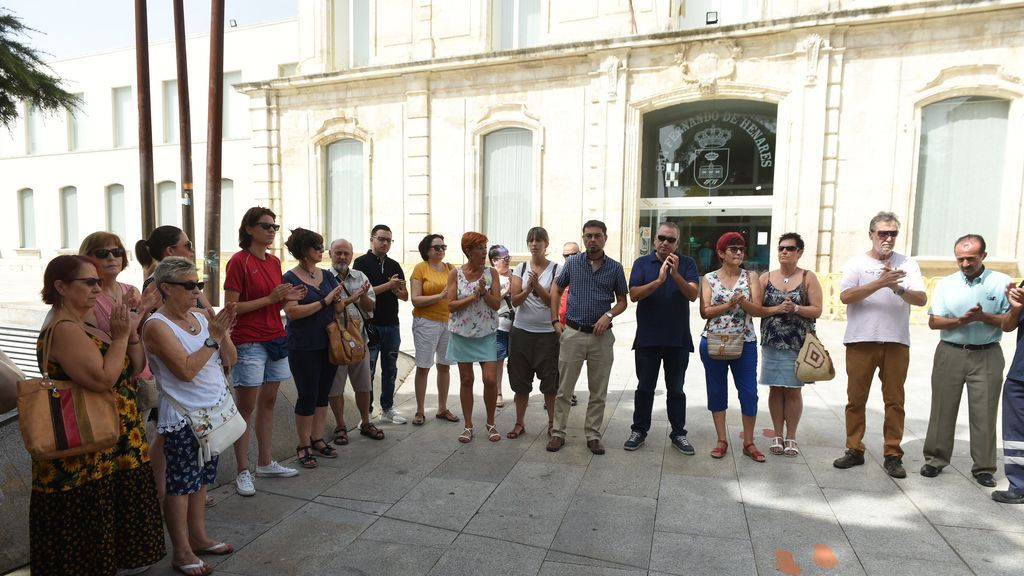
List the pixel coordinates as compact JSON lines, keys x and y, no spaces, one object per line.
{"x":218,"y":549}
{"x":189,"y":569}
{"x":418,"y":419}
{"x":210,"y":502}
{"x":447,"y":415}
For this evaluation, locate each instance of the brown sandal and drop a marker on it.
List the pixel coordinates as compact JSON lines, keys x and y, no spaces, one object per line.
{"x":418,"y":419}
{"x":447,"y":415}
{"x":340,"y":436}
{"x":371,"y":431}
{"x":517,"y":431}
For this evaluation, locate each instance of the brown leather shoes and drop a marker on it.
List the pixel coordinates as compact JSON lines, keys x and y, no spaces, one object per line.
{"x":595,"y":446}
{"x":555,"y":444}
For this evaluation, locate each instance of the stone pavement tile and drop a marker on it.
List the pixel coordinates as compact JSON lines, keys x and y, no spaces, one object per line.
{"x":701,"y":506}
{"x":402,"y":532}
{"x":297,"y":544}
{"x":868,"y":478}
{"x":561,"y":569}
{"x":772,"y":530}
{"x":307,"y":485}
{"x":823,"y":430}
{"x":388,"y":477}
{"x":482,"y":460}
{"x":476,"y":556}
{"x":889,"y":526}
{"x":789,"y":487}
{"x":584,"y":561}
{"x":573,"y":453}
{"x":624,"y":473}
{"x":368,"y":558}
{"x":950,"y":499}
{"x":987,"y":551}
{"x":511,"y":526}
{"x":264,"y":508}
{"x":442,"y":502}
{"x":687,"y":554}
{"x":364,"y":506}
{"x":887,"y":566}
{"x":608,"y":527}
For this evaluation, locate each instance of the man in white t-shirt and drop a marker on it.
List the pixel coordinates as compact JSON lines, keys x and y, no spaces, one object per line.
{"x":878,"y":288}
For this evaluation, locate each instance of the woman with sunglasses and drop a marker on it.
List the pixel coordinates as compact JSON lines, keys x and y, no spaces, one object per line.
{"x":308,"y":355}
{"x":500,"y":260}
{"x":254,"y":281}
{"x":96,"y":513}
{"x":429,"y":295}
{"x":786,"y":320}
{"x":729,"y":300}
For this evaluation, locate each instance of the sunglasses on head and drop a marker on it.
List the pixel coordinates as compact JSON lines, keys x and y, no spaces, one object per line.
{"x":737,"y":249}
{"x":190,"y":285}
{"x":90,"y":282}
{"x":439,"y":247}
{"x":669,"y":239}
{"x":269,"y":226}
{"x":788,"y":248}
{"x":887,"y":233}
{"x":103,"y":253}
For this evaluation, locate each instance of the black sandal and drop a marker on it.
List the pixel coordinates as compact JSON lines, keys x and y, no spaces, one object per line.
{"x":340,"y":436}
{"x":305,"y":456}
{"x":326,"y":451}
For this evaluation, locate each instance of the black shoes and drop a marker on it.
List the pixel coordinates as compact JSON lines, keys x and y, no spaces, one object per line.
{"x":929,"y":471}
{"x":985,"y":479}
{"x":849,"y":460}
{"x":635,"y":440}
{"x":1007,"y":497}
{"x":683,"y":445}
{"x":894,"y":467}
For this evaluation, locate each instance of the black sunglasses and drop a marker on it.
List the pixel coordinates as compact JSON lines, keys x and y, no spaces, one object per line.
{"x":439,"y":247}
{"x":737,"y":249}
{"x":103,"y":253}
{"x":669,"y":239}
{"x":571,"y":254}
{"x":90,"y":282}
{"x":190,"y":285}
{"x":788,"y":248}
{"x":887,"y":233}
{"x":269,"y":226}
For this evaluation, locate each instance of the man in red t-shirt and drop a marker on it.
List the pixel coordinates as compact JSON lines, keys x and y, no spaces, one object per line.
{"x":568,"y":249}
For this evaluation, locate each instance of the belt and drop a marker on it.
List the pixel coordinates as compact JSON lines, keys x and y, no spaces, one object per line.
{"x":580,"y":327}
{"x":970,"y":346}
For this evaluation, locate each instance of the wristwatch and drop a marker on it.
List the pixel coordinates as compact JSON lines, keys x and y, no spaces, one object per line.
{"x":211,"y":343}
{"x":610,"y":315}
{"x":553,"y":322}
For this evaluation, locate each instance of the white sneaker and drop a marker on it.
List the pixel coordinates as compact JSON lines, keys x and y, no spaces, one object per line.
{"x":276,"y":470}
{"x":243,"y":484}
{"x":392,"y":416}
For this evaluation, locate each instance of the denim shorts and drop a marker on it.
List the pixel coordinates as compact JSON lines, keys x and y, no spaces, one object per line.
{"x":184,"y":473}
{"x":254,"y":366}
{"x":502,"y":344}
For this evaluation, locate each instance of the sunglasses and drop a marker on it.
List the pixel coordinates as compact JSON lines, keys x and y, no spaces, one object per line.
{"x":439,"y":247}
{"x":90,"y":282}
{"x":669,"y":239}
{"x":737,"y":249}
{"x":103,"y":253}
{"x":188,"y":245}
{"x":887,"y":233}
{"x":384,"y":239}
{"x":190,"y":285}
{"x":788,"y":248}
{"x":269,"y":226}
{"x":505,"y":258}
{"x":569,"y":254}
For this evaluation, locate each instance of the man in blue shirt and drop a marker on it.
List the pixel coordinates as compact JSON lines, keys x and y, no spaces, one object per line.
{"x":1013,"y":404}
{"x":968,"y":308}
{"x":597,"y":282}
{"x":663,"y":284}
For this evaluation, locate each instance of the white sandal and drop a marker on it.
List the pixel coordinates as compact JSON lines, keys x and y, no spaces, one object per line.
{"x":792,"y":450}
{"x":776,"y":448}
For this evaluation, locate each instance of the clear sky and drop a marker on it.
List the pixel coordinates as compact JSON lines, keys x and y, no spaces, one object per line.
{"x":76,"y":27}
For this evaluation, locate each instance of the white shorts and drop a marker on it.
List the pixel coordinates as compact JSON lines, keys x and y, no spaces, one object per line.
{"x":431,"y":340}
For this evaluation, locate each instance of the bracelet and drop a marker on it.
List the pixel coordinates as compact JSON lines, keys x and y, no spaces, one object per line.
{"x":323,"y":303}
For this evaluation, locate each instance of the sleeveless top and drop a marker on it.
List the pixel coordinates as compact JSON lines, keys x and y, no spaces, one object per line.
{"x":205,"y":390}
{"x":783,"y":331}
{"x":735,"y":320}
{"x":477,"y":319}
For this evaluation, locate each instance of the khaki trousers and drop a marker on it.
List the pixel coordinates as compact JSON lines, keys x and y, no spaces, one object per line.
{"x":575,"y":348}
{"x":982,"y":372}
{"x":891,"y":359}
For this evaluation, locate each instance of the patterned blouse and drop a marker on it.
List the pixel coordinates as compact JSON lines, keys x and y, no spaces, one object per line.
{"x":735,"y":320}
{"x":477,"y":319}
{"x":783,"y":331}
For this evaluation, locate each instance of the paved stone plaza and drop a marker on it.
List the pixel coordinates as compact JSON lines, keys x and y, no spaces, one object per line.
{"x":420,"y":503}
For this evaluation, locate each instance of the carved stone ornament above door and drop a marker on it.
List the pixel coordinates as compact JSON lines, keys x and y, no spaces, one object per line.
{"x":705,"y":63}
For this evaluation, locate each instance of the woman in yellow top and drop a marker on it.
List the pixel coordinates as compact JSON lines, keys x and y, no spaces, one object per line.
{"x":429,"y":293}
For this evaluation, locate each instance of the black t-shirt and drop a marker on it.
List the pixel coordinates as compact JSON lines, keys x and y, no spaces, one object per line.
{"x":385,"y":313}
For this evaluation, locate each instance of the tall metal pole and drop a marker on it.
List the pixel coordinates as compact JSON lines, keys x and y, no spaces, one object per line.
{"x":188,"y":217}
{"x":145,"y":121}
{"x":214,"y":131}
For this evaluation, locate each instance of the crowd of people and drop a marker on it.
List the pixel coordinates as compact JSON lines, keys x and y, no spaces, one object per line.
{"x":543,"y":320}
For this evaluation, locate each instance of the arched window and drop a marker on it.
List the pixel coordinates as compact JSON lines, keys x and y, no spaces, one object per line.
{"x":962,"y":153}
{"x":345,"y":192}
{"x":26,"y":218}
{"x":168,"y":210}
{"x":508,"y":177}
{"x":69,"y":217}
{"x":228,"y":223}
{"x":115,"y":209}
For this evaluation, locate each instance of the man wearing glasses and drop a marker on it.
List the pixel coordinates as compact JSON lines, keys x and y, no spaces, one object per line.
{"x":598,"y":295}
{"x":663,"y":284}
{"x":388,"y":283}
{"x":878,"y":289}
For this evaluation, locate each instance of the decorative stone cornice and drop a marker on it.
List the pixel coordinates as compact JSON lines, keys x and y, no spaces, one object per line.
{"x":705,"y":63}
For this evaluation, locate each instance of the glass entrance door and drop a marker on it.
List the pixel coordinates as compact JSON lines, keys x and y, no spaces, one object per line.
{"x":700,"y":231}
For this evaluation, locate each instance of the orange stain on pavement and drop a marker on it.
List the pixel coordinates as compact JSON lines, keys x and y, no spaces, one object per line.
{"x":785,"y":563}
{"x":824,"y":556}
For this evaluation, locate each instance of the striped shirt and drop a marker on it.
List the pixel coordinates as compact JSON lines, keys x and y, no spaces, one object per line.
{"x":593,"y":291}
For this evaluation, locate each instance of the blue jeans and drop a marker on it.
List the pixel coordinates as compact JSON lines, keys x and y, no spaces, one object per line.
{"x":648,"y":363}
{"x":744,"y":375}
{"x":390,"y":340}
{"x":1013,"y":434}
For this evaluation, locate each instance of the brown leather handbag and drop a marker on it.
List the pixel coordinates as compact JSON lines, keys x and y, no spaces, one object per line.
{"x":346,"y":343}
{"x":59,"y":418}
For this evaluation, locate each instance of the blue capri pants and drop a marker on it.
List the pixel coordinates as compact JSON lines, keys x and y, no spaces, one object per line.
{"x":314,"y":376}
{"x":744,"y":375}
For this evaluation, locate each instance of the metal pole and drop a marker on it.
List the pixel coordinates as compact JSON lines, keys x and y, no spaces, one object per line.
{"x":214,"y":130}
{"x":145,"y":113}
{"x":188,"y":218}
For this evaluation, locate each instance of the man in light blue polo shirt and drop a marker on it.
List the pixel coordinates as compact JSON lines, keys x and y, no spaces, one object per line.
{"x":968,"y":309}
